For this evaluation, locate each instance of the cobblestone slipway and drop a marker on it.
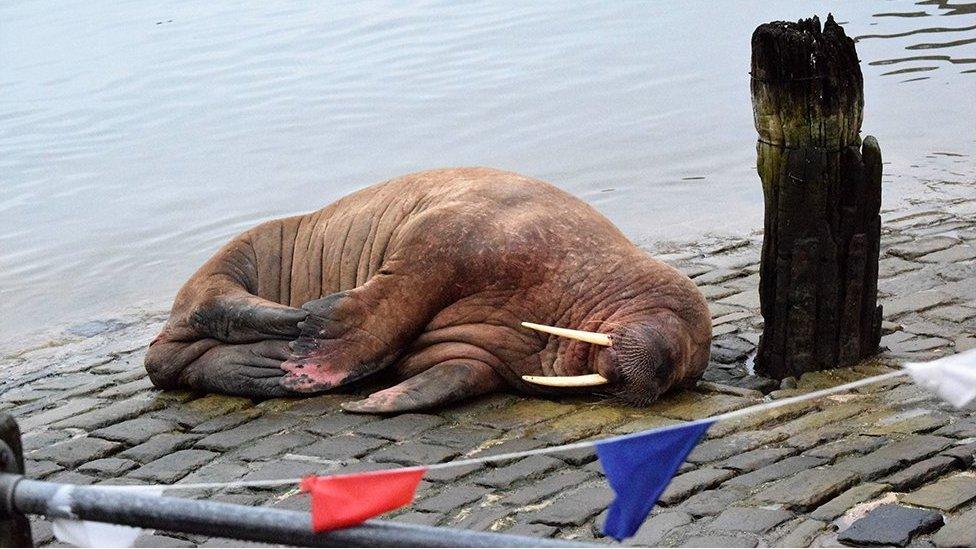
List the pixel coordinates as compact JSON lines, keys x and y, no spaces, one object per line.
{"x":887,"y":464}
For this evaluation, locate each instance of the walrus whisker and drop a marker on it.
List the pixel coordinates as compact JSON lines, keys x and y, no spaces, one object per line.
{"x":588,"y":380}
{"x":595,"y":338}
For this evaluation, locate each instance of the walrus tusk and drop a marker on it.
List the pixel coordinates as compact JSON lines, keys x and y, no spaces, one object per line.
{"x":595,"y":338}
{"x":588,"y":380}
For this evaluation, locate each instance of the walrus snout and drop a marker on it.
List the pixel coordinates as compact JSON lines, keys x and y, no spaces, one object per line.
{"x":631,"y":361}
{"x":638,"y":365}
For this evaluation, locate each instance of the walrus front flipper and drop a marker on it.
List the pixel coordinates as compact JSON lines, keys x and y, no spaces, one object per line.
{"x":349,"y":335}
{"x":333,"y":348}
{"x":443,"y":383}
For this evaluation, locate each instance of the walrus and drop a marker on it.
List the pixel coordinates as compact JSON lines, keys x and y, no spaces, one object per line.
{"x":463,"y":281}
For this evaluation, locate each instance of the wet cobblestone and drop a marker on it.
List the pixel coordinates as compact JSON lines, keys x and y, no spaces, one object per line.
{"x":886,"y":463}
{"x":891,"y":525}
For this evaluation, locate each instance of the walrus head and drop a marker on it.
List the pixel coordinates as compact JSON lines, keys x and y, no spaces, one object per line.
{"x":636,"y":360}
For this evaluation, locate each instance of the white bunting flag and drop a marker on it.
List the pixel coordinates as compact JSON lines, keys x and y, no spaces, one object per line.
{"x":87,"y":533}
{"x":953,"y":378}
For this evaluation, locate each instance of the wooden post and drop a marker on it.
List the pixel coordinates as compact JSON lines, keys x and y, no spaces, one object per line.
{"x":15,"y":529}
{"x":819,"y":273}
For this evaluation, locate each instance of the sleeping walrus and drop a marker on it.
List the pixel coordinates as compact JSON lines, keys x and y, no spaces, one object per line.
{"x":461,"y":280}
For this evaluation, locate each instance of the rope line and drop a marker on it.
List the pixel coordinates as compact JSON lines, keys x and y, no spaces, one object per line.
{"x":542,"y":451}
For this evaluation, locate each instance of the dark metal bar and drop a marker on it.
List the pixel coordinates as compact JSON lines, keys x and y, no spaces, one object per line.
{"x":226,"y":520}
{"x":14,"y":527}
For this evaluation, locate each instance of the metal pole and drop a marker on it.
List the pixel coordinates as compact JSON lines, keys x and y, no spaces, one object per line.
{"x":226,"y":520}
{"x":15,"y":529}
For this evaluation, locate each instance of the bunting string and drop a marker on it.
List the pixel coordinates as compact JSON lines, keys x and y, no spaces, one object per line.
{"x":638,"y":466}
{"x":766,"y":406}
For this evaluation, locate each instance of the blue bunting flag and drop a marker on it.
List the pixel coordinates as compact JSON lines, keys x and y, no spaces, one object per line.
{"x":639,"y":467}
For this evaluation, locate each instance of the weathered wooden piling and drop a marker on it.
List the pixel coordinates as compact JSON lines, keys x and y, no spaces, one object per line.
{"x":822,"y":187}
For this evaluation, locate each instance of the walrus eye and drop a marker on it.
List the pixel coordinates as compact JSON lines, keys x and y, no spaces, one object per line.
{"x":595,"y":338}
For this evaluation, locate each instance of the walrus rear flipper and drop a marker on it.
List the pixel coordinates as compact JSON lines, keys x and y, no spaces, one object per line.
{"x":239,"y":317}
{"x":247,"y":369}
{"x":220,"y":336}
{"x":443,"y":383}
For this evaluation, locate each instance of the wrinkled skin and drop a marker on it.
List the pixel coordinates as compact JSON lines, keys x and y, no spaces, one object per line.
{"x":430,"y":274}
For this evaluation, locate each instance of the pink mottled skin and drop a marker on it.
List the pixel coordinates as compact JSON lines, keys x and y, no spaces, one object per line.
{"x":430,"y":274}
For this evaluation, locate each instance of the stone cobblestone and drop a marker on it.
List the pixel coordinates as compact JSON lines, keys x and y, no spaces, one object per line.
{"x":259,"y":428}
{"x":850,"y":445}
{"x":173,"y":467}
{"x":779,"y":470}
{"x":893,"y":456}
{"x":749,"y":519}
{"x":712,"y":502}
{"x":540,"y":491}
{"x":808,"y":488}
{"x":270,"y":447}
{"x":965,"y":454}
{"x":224,"y":422}
{"x":575,"y":506}
{"x":68,"y":409}
{"x":451,"y":498}
{"x":504,"y":477}
{"x":653,"y":531}
{"x":400,"y":428}
{"x":74,"y":452}
{"x":414,"y":453}
{"x":113,"y":413}
{"x":719,"y":541}
{"x":756,"y":459}
{"x":918,"y":473}
{"x":884,"y":460}
{"x":107,"y":467}
{"x":40,"y":469}
{"x":134,"y":431}
{"x":159,"y":446}
{"x":890,"y":525}
{"x":959,"y":531}
{"x":722,"y":448}
{"x":801,"y":534}
{"x":947,"y":494}
{"x":840,"y":504}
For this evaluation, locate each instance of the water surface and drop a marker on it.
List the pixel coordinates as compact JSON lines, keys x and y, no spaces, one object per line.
{"x":137,"y":137}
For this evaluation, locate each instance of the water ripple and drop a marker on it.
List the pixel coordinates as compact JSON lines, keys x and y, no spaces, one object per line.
{"x":139,"y":137}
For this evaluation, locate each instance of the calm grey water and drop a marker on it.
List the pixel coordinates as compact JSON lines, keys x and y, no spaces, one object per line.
{"x":136,"y":137}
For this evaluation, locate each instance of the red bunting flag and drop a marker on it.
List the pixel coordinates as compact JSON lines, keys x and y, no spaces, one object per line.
{"x":347,"y":500}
